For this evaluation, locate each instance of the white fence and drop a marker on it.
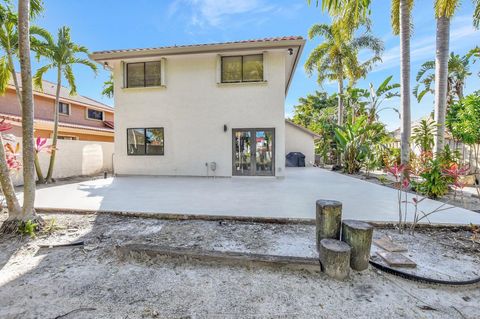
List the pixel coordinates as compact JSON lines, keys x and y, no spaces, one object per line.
{"x":76,"y":158}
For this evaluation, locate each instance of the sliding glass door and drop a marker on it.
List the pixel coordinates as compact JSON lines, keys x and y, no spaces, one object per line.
{"x":253,"y":152}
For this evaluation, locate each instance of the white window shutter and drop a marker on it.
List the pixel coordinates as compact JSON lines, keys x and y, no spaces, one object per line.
{"x":265,"y":66}
{"x":218,"y":69}
{"x":163,"y":81}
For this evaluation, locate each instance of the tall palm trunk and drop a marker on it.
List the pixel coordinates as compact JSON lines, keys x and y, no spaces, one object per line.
{"x":28,"y":149}
{"x":13,"y":206}
{"x":441,"y":78}
{"x":55,"y":126}
{"x":340,"y":113}
{"x":405,"y":129}
{"x":340,"y":102}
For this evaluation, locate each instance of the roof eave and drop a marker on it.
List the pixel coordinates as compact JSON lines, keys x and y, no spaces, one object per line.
{"x":125,"y":54}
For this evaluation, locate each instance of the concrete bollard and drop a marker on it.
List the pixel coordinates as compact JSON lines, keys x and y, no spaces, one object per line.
{"x":328,"y":219}
{"x":334,"y":258}
{"x":358,"y":235}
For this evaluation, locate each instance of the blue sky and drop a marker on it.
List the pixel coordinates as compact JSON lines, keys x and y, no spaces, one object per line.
{"x":117,"y":24}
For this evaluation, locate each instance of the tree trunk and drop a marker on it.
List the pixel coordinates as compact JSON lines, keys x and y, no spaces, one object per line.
{"x":405,"y":128}
{"x":13,"y":206}
{"x":55,"y":127}
{"x":340,"y":114}
{"x":441,"y":77}
{"x":38,"y":169}
{"x":340,"y":102}
{"x":28,"y":150}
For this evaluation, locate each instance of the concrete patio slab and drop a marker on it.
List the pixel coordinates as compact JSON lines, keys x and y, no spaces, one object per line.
{"x":291,"y":197}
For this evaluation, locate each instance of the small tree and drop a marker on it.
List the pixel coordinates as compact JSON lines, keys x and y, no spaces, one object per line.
{"x":463,"y":121}
{"x":423,"y":135}
{"x":62,"y":55}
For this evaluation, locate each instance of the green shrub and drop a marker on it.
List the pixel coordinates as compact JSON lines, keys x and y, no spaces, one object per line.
{"x":27,"y":228}
{"x":434,"y":183}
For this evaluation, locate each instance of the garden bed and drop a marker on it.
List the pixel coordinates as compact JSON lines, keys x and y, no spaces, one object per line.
{"x":91,"y":281}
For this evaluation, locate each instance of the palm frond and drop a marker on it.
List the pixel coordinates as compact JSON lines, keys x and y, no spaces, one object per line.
{"x":445,"y":8}
{"x":38,"y":77}
{"x":5,"y":74}
{"x":68,"y":72}
{"x":323,"y":30}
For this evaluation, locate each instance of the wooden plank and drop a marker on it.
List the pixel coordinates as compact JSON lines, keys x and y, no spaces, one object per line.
{"x":395,"y":259}
{"x":228,"y":257}
{"x":388,"y":245}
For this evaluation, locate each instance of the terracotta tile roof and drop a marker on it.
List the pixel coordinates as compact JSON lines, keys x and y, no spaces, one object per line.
{"x":15,"y":118}
{"x":264,"y":40}
{"x":109,"y":124}
{"x":50,"y":88}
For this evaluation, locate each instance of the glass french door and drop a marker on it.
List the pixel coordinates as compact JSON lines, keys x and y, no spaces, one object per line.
{"x":253,"y":152}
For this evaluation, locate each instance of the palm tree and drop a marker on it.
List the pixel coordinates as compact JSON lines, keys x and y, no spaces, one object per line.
{"x":9,"y":46}
{"x":458,"y":71}
{"x":349,"y":15}
{"x":62,"y":55}
{"x":444,"y":11}
{"x":401,"y":24}
{"x":18,"y":42}
{"x":108,"y":87}
{"x":336,"y":59}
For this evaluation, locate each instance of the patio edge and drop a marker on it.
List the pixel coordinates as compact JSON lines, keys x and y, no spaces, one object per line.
{"x":248,"y":219}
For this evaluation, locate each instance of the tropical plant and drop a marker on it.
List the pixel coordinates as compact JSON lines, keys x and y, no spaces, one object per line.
{"x":458,"y":71}
{"x":444,"y":11}
{"x":348,"y":15}
{"x":317,"y":113}
{"x":26,"y":213}
{"x":358,"y":142}
{"x":336,"y":58}
{"x":108,"y":87}
{"x":433,"y":183}
{"x":6,"y":164}
{"x":376,"y":96}
{"x":423,"y":134}
{"x":9,"y":47}
{"x":463,"y":120}
{"x":62,"y":55}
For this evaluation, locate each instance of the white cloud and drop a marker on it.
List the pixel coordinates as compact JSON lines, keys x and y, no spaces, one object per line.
{"x":214,"y":13}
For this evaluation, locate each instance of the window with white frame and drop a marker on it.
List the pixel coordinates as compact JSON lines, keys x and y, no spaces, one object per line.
{"x":143,"y":74}
{"x":243,"y":68}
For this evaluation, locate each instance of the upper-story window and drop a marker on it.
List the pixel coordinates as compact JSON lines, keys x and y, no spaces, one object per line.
{"x":243,"y":68}
{"x":143,"y":74}
{"x":63,"y":108}
{"x":94,"y":115}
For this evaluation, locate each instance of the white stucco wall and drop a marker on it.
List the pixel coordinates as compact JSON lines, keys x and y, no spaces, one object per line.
{"x":297,"y":140}
{"x":75,"y":158}
{"x":193,"y":108}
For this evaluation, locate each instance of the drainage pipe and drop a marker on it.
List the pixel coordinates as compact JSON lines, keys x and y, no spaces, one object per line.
{"x":427,"y":280}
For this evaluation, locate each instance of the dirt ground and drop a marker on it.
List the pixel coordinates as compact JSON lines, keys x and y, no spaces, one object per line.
{"x":90,"y":281}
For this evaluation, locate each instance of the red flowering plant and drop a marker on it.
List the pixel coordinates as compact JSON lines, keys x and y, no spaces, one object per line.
{"x":455,"y":172}
{"x":41,"y":145}
{"x":11,"y":150}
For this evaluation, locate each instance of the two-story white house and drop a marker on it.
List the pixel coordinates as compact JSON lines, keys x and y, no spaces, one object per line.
{"x":207,"y":109}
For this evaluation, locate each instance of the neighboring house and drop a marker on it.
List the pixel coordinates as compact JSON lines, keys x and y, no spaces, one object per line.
{"x":81,"y":118}
{"x":206,"y":109}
